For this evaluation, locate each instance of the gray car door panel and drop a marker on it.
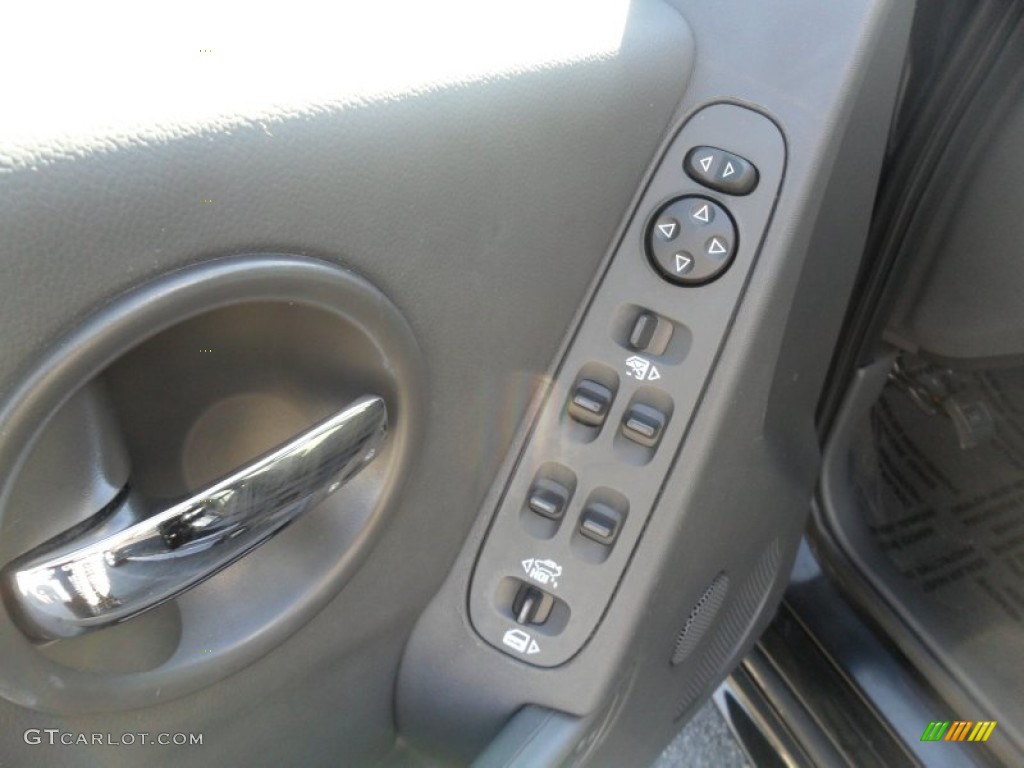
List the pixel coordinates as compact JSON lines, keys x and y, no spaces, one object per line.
{"x":434,"y":202}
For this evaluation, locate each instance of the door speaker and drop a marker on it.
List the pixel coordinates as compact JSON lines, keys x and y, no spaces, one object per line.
{"x":730,"y":631}
{"x":700,"y":618}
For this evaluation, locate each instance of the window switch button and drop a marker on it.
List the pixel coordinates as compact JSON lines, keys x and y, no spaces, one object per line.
{"x":643,"y":424}
{"x":590,"y":402}
{"x":600,"y":523}
{"x":547,"y":503}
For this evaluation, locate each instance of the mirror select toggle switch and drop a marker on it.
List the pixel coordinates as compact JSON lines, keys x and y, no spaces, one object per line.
{"x":532,"y":605}
{"x":643,"y":424}
{"x":590,"y":402}
{"x":600,"y":523}
{"x":720,"y":170}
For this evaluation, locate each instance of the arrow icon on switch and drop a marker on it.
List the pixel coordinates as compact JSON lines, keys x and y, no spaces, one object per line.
{"x":683,"y":263}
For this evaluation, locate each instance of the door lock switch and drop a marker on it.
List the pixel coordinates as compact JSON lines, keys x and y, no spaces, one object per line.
{"x":590,"y":402}
{"x":532,"y":605}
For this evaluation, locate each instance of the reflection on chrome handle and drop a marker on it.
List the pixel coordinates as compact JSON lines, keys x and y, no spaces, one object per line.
{"x":120,"y":562}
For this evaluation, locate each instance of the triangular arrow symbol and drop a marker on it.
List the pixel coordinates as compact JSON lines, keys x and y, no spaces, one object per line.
{"x":716,"y":248}
{"x":654,"y":375}
{"x":705,"y":162}
{"x":527,"y":564}
{"x":703,"y":213}
{"x":729,"y":171}
{"x":668,"y":229}
{"x":682,"y":262}
{"x":534,"y":648}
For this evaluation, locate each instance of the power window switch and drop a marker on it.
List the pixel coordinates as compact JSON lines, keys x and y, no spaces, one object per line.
{"x":643,"y":424}
{"x":650,"y":333}
{"x":547,"y":502}
{"x":600,"y":523}
{"x":590,"y":402}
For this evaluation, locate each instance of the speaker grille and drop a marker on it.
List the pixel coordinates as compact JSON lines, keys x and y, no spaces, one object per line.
{"x":700,"y":618}
{"x":735,"y":622}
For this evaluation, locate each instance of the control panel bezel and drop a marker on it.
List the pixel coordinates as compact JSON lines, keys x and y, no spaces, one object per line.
{"x":608,"y":468}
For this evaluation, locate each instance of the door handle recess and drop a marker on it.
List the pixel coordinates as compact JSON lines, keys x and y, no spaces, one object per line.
{"x":127,"y":559}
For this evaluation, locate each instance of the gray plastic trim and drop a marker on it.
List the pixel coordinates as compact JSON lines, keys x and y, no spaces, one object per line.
{"x":535,"y":737}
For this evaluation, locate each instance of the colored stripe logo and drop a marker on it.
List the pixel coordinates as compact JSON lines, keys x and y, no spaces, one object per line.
{"x":958,"y":730}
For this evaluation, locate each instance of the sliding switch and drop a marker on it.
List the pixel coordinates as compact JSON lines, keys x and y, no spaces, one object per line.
{"x":650,"y":333}
{"x":531,"y":605}
{"x":643,"y":331}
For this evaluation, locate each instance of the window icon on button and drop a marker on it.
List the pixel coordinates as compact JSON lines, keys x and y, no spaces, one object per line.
{"x":520,"y":641}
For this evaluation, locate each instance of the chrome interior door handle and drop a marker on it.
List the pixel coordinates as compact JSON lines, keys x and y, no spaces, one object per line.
{"x":127,"y":559}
